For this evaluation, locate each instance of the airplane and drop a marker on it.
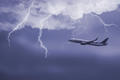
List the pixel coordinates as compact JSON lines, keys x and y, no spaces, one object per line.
{"x":92,"y":42}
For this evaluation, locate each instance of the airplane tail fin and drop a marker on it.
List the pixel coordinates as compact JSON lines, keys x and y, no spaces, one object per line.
{"x":105,"y":41}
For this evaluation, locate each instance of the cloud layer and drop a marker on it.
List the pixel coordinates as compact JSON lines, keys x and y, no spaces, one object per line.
{"x":64,"y":13}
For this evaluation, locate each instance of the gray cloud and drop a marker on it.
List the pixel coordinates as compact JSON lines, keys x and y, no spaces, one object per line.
{"x":70,"y":11}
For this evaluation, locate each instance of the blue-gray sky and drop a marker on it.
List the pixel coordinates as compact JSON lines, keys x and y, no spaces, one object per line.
{"x":83,"y":19}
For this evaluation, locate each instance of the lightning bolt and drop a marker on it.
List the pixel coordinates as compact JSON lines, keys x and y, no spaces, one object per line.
{"x":105,"y":24}
{"x":21,"y":23}
{"x":40,"y":34}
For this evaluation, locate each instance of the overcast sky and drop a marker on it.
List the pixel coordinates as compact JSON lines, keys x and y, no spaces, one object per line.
{"x":59,"y":20}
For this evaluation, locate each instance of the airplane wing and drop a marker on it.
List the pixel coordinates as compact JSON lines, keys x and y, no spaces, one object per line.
{"x":92,"y":40}
{"x":95,"y":39}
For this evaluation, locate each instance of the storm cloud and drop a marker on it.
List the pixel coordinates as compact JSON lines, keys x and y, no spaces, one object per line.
{"x":64,"y":13}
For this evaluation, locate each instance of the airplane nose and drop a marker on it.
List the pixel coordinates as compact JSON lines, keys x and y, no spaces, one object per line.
{"x":69,"y":40}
